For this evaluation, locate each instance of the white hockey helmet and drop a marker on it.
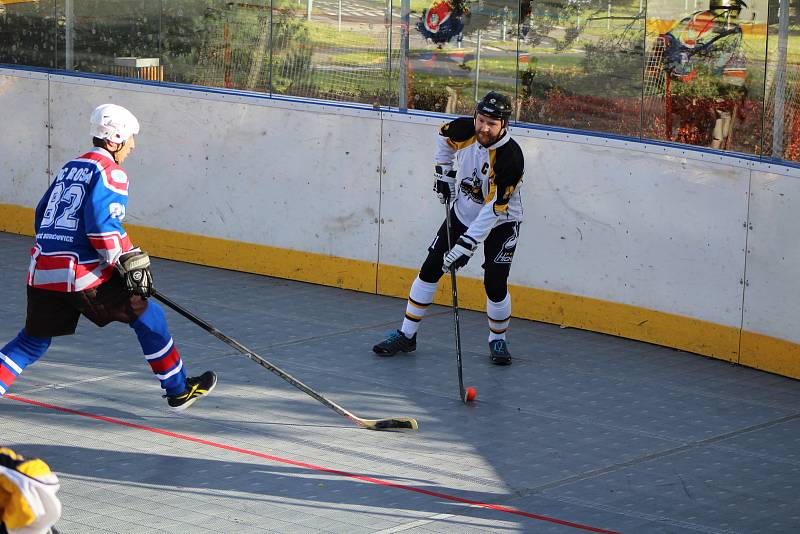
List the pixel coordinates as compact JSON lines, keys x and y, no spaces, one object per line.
{"x":113,"y":122}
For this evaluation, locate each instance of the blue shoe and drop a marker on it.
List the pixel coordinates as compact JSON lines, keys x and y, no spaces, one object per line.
{"x":498,"y":352}
{"x":395,"y":342}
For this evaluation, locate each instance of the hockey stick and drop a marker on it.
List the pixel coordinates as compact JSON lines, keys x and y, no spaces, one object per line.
{"x":461,"y":390}
{"x":394,"y":423}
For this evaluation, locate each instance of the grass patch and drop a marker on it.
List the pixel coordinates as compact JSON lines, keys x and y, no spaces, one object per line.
{"x":509,"y":65}
{"x":364,"y":58}
{"x":417,"y":6}
{"x":324,"y":34}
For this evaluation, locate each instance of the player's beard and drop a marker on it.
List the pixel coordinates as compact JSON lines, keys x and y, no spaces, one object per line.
{"x":487,"y":139}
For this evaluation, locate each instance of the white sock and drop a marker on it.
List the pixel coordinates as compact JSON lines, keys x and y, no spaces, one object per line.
{"x":499,"y":315}
{"x":419,"y":299}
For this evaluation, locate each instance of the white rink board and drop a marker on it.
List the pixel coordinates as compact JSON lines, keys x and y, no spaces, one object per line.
{"x":772,"y":304}
{"x":23,"y":137}
{"x":654,"y":230}
{"x":263,"y":174}
{"x":410,"y":211}
{"x":651,"y":226}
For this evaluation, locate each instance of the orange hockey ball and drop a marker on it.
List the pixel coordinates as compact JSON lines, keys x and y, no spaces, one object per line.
{"x":472,"y":394}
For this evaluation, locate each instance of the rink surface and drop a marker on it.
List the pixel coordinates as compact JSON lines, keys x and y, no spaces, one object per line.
{"x":583,"y":433}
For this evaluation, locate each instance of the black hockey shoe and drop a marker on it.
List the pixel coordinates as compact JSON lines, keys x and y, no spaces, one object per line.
{"x":498,"y":352}
{"x":394,"y":343}
{"x":196,"y":387}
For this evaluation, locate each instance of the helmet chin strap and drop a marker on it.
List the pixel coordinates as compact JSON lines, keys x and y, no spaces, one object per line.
{"x":114,"y":152}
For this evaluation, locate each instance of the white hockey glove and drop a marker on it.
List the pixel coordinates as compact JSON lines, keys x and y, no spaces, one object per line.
{"x":444,"y":183}
{"x":134,"y":266}
{"x":460,"y":254}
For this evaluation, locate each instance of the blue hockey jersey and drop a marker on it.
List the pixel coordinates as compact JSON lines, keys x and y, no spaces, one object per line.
{"x":79,"y":233}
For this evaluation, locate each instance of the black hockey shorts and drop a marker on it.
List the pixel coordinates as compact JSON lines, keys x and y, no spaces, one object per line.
{"x":56,"y":313}
{"x":498,"y":253}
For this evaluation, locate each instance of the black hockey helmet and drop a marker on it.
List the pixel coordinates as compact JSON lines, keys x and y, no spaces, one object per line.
{"x":495,"y":105}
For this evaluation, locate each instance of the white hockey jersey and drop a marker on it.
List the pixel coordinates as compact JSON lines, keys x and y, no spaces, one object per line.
{"x":488,"y":178}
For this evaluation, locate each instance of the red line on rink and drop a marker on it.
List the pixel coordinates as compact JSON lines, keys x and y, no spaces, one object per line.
{"x":363,"y":478}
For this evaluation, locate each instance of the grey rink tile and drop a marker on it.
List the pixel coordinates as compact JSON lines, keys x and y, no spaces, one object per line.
{"x":583,"y":431}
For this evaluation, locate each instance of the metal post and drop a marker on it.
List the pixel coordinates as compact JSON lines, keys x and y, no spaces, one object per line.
{"x":160,"y":29}
{"x":405,"y":9}
{"x":608,"y":19}
{"x":309,"y":7}
{"x":388,"y":23}
{"x":780,"y":80}
{"x":271,"y":46}
{"x":339,"y":17}
{"x":503,"y":28}
{"x":69,"y":35}
{"x":477,"y":64}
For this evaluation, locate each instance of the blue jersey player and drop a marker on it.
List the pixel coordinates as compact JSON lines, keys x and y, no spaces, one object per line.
{"x":83,"y":263}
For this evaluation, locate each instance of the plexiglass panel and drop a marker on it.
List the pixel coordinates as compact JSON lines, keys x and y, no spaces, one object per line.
{"x":330,"y":49}
{"x":781,"y":137}
{"x":704,"y":74}
{"x":721,"y":74}
{"x":457,"y":52}
{"x":109,"y":37}
{"x":583,"y":62}
{"x":28,"y":33}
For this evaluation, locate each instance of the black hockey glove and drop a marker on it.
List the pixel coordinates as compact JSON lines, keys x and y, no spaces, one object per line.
{"x":444,"y":183}
{"x":135,"y":269}
{"x":460,"y":254}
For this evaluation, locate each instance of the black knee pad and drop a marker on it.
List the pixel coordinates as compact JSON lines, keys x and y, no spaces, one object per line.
{"x":431,"y":270}
{"x":496,"y":289}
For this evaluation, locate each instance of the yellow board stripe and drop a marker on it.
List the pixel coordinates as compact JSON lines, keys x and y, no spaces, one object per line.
{"x":652,"y":326}
{"x":642,"y":324}
{"x":16,"y":219}
{"x":770,"y":354}
{"x":259,"y":259}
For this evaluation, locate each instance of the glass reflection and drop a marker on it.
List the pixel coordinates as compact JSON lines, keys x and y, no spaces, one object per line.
{"x":582,"y":64}
{"x":781,"y":137}
{"x":458,"y":51}
{"x":28,"y":34}
{"x":721,"y":74}
{"x":704,"y":77}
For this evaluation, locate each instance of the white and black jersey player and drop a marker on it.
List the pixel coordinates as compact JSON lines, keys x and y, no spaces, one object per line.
{"x":479,"y":167}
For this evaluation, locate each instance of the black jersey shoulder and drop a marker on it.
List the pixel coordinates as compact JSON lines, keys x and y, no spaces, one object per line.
{"x":509,"y":164}
{"x":459,"y":129}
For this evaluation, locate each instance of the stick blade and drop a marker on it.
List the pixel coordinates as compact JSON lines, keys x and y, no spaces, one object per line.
{"x":393,"y":423}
